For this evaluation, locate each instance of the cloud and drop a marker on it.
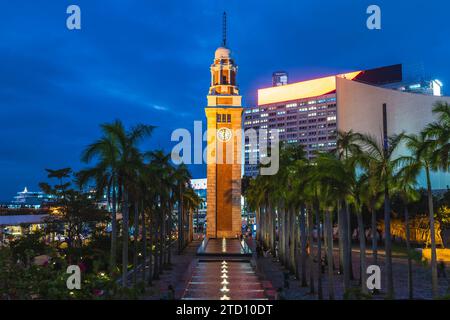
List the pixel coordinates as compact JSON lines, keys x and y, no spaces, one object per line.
{"x":160,"y":108}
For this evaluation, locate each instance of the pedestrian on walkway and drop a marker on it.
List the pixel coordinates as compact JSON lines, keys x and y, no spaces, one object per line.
{"x":441,"y":270}
{"x":280,"y":294}
{"x":258,"y":250}
{"x":286,"y":279}
{"x":170,"y":292}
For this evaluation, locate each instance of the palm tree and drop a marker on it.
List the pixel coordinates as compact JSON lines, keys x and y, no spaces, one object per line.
{"x":254,"y":197}
{"x":356,"y":197}
{"x":347,"y":151}
{"x":438,"y":147}
{"x":299,"y":176}
{"x":182,"y":181}
{"x":439,"y":131}
{"x":149,"y":174}
{"x":192,"y":202}
{"x":105,"y":173}
{"x":425,"y":155}
{"x":380,"y":159}
{"x":373,"y":200}
{"x":347,"y":147}
{"x":119,"y":160}
{"x":163,"y":180}
{"x":332,"y":179}
{"x":130,"y":162}
{"x":405,"y":185}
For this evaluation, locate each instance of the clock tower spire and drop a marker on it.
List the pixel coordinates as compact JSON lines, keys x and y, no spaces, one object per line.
{"x":224,"y":121}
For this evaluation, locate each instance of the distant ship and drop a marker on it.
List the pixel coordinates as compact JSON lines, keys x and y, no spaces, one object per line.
{"x":30,"y":198}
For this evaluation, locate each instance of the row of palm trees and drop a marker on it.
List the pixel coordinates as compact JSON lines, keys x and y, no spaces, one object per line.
{"x":143,"y":190}
{"x":363,"y":173}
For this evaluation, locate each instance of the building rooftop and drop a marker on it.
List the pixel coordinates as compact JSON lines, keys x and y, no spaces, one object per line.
{"x":301,"y":90}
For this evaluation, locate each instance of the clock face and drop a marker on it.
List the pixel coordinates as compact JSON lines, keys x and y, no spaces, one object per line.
{"x":224,"y":134}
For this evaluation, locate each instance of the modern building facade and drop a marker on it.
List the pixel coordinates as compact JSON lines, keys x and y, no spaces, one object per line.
{"x":307,"y":112}
{"x":361,"y":110}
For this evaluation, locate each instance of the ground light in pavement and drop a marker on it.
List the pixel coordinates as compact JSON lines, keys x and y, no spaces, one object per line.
{"x":224,"y":289}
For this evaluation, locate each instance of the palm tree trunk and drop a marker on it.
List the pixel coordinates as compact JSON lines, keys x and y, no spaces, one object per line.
{"x":270,"y":227}
{"x":156,"y":240}
{"x":266,"y":226}
{"x":303,"y":242}
{"x":388,"y":242}
{"x":294,"y":231}
{"x":345,"y":246}
{"x":349,"y":240}
{"x":277,"y":235}
{"x":319,"y":254}
{"x":197,"y":214}
{"x":340,"y":221}
{"x":408,"y":249}
{"x":191,"y":225}
{"x":310,"y":239}
{"x":125,"y":235}
{"x":112,"y":261}
{"x":287,"y":238}
{"x":263,"y":213}
{"x":330,"y":254}
{"x":281,"y":234}
{"x":180,"y":222}
{"x":258,"y":223}
{"x":298,"y":253}
{"x":151,"y":258}
{"x":434,"y":275}
{"x":374,"y":234}
{"x":162,"y":236}
{"x":144,"y":242}
{"x":362,"y":252}
{"x":273,"y":229}
{"x":136,"y":244}
{"x":169,"y":236}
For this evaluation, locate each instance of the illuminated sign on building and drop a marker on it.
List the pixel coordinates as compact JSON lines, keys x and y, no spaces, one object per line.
{"x":300,"y":90}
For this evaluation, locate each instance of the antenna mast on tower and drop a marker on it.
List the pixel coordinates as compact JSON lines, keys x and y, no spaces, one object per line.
{"x":224,"y":29}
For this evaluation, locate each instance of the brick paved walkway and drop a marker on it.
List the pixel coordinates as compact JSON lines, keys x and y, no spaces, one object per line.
{"x":271,"y":270}
{"x":177,"y":276}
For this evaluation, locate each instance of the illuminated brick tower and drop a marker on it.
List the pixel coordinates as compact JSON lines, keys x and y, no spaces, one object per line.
{"x":224,"y":120}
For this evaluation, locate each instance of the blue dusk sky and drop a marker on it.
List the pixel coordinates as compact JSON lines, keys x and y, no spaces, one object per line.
{"x":148,"y":62}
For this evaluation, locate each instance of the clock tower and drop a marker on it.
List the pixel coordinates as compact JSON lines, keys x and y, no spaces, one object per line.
{"x":224,"y":122}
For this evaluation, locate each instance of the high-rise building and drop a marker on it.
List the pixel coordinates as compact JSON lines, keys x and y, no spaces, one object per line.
{"x":279,"y":78}
{"x":307,"y":112}
{"x":224,"y":122}
{"x":199,"y":217}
